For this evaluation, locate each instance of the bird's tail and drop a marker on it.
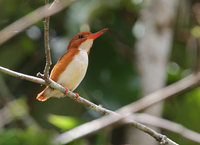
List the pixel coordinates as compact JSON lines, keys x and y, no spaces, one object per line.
{"x":41,"y":96}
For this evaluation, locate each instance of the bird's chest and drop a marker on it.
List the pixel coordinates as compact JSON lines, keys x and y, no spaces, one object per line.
{"x":75,"y":71}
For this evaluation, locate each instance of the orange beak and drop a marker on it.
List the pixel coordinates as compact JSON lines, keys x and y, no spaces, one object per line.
{"x":97,"y":34}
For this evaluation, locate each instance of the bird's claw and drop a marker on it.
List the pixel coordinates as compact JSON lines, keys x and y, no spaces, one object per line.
{"x":66,"y":91}
{"x":77,"y":96}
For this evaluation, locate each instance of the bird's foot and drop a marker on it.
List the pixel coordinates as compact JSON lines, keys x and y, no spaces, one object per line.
{"x":66,"y":91}
{"x":77,"y":96}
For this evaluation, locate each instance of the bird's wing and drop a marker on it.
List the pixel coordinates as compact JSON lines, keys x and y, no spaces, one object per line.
{"x":62,"y":63}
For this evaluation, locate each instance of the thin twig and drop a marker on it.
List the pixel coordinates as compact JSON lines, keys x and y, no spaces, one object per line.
{"x":167,"y":125}
{"x":22,"y":76}
{"x":33,"y":17}
{"x":53,"y":3}
{"x":47,"y":47}
{"x":162,"y":139}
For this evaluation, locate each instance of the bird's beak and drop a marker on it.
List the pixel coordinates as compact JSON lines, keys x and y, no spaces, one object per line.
{"x":97,"y":34}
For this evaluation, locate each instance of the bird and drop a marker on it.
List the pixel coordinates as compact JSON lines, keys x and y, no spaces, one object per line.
{"x":71,"y":68}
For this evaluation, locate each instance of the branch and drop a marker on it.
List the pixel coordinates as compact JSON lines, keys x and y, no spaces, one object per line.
{"x":162,"y":139}
{"x":45,"y":76}
{"x":96,"y":125}
{"x":47,"y":48}
{"x":54,"y":85}
{"x":86,"y":103}
{"x":145,"y":102}
{"x":33,"y":17}
{"x":55,"y":1}
{"x":190,"y":81}
{"x":167,"y":125}
{"x":22,"y":76}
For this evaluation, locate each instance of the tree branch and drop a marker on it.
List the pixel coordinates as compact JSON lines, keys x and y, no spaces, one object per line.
{"x":45,"y":76}
{"x":86,"y":103}
{"x":162,"y":139}
{"x":108,"y":121}
{"x":162,"y":94}
{"x":167,"y":125}
{"x":54,"y":85}
{"x":47,"y":48}
{"x":55,"y":1}
{"x":33,"y":17}
{"x":145,"y":102}
{"x":22,"y":76}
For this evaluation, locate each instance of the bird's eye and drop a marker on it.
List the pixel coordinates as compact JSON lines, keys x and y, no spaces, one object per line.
{"x":80,"y":36}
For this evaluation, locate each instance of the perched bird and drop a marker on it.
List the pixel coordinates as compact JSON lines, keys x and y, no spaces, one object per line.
{"x":71,"y":68}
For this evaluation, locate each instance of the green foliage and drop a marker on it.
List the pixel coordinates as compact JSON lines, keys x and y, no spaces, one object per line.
{"x":195,"y":31}
{"x":30,"y":136}
{"x":63,"y":122}
{"x":186,"y":110}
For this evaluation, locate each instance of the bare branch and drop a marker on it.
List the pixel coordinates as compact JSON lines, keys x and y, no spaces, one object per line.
{"x":54,"y":85}
{"x":55,"y":1}
{"x":85,"y":102}
{"x":145,"y":102}
{"x":162,"y":139}
{"x":26,"y":21}
{"x":96,"y":125}
{"x":22,"y":76}
{"x":167,"y":125}
{"x":162,"y":94}
{"x":47,"y":47}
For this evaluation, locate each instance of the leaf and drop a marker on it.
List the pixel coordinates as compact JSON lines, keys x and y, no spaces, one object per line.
{"x":63,"y":122}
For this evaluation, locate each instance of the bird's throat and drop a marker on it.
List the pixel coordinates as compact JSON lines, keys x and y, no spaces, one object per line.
{"x":86,"y":45}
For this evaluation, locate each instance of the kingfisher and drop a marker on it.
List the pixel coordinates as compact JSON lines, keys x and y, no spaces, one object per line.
{"x":71,"y":68}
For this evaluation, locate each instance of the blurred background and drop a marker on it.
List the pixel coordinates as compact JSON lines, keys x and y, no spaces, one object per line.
{"x":150,"y":44}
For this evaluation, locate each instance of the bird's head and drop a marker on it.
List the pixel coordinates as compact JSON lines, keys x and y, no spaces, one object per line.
{"x":84,"y":40}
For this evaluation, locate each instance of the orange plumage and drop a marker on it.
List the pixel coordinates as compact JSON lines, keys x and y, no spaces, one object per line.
{"x":72,"y":66}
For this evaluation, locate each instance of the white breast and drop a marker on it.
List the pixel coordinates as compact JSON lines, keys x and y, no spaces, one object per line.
{"x":75,"y":71}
